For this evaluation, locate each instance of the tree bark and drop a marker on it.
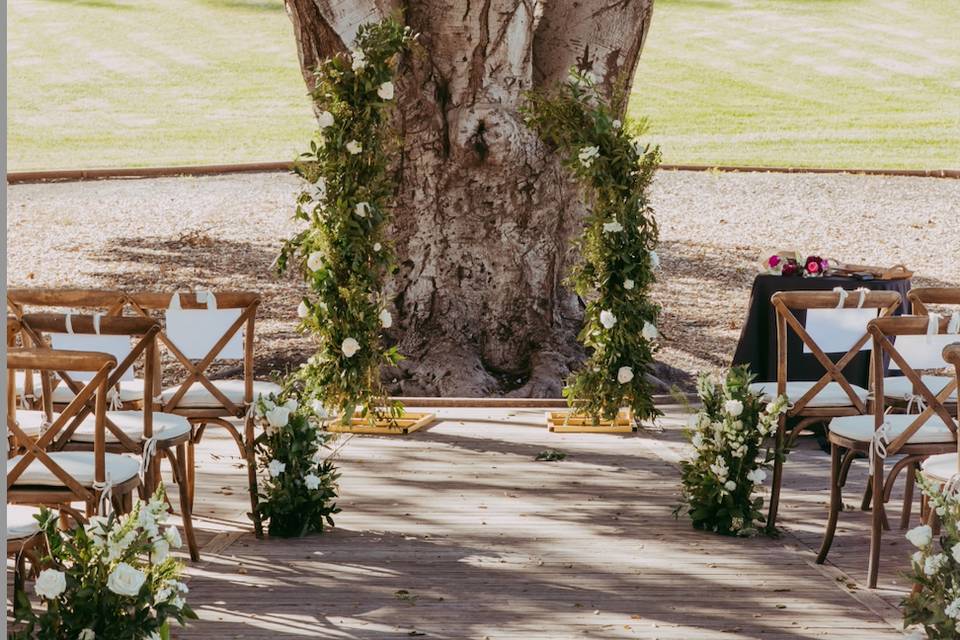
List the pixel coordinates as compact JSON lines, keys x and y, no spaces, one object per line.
{"x":484,"y":211}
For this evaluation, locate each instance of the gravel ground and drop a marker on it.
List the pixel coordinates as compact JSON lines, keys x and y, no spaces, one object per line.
{"x":223,"y":231}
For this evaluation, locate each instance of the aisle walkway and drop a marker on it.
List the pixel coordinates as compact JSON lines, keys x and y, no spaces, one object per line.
{"x":457,"y":533}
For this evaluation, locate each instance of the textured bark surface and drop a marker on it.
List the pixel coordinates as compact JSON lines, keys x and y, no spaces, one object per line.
{"x":484,"y":212}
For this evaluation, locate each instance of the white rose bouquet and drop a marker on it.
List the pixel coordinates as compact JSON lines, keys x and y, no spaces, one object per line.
{"x":111,"y":578}
{"x":298,"y":494}
{"x":935,"y":570}
{"x":728,"y":434}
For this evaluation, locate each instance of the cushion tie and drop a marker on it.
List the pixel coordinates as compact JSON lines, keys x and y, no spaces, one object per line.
{"x":953,"y":327}
{"x":915,"y":398}
{"x":68,"y":321}
{"x":881,"y":438}
{"x":149,"y":450}
{"x":933,"y":324}
{"x":842,"y":293}
{"x":863,"y":291}
{"x":113,"y":395}
{"x":105,"y":504}
{"x":96,"y":322}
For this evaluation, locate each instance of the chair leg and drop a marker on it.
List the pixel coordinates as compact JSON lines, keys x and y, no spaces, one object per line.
{"x":907,"y":510}
{"x":876,"y":530}
{"x":777,"y":475}
{"x":186,"y":513}
{"x":191,"y":475}
{"x":836,"y":503}
{"x":250,"y":452}
{"x":867,"y":497}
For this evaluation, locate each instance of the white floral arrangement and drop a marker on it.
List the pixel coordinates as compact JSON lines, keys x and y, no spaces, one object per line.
{"x":298,"y":495}
{"x":934,"y":603}
{"x":729,"y":460}
{"x":111,"y":578}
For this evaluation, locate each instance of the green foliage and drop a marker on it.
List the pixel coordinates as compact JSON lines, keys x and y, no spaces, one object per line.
{"x":344,"y":255}
{"x":936,"y":604}
{"x":614,"y":170}
{"x":550,"y":455}
{"x":84,"y":565}
{"x":727,"y":435}
{"x":298,"y":495}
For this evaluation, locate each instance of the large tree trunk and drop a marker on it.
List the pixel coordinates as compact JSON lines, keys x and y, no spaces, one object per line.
{"x":484,"y":212}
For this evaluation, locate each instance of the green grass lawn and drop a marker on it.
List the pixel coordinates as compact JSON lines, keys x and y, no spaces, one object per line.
{"x":838,"y":83}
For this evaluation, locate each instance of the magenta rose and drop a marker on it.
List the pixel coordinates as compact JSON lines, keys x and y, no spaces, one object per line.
{"x":773,"y":261}
{"x":790,"y":268}
{"x":814,"y":265}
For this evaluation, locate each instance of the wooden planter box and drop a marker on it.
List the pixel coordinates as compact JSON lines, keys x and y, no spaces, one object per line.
{"x":566,"y":421}
{"x":407,"y":423}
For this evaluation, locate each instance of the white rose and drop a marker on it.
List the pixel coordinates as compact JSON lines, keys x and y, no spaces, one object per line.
{"x":612,"y":227}
{"x":952,"y":610}
{"x":349,"y":347}
{"x":588,"y":154}
{"x":291,"y":404}
{"x":920,"y":536}
{"x":377,"y":246}
{"x":733,"y":407}
{"x":172,"y":536}
{"x":161,"y":549}
{"x":757,"y":476}
{"x":87,"y":634}
{"x":386,"y":90}
{"x":362,"y":209}
{"x":303,"y":310}
{"x":617,"y":124}
{"x":730,"y":485}
{"x":354,"y":147}
{"x":125,"y":580}
{"x":955,"y":552}
{"x":650,"y":331}
{"x":318,"y":408}
{"x":278,"y":416}
{"x":607,"y":319}
{"x":654,"y":260}
{"x":359,"y":60}
{"x":624,"y":375}
{"x":311,"y":481}
{"x":276,"y":468}
{"x":696,"y":441}
{"x":628,"y":284}
{"x":933,"y":564}
{"x":325,"y":119}
{"x":386,"y":320}
{"x":50,"y":583}
{"x":315,"y":260}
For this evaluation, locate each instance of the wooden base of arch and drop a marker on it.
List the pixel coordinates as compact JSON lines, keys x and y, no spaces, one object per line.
{"x":570,"y":422}
{"x":405,"y":424}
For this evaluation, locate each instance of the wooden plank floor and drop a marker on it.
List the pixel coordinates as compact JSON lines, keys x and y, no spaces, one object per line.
{"x":456,"y":532}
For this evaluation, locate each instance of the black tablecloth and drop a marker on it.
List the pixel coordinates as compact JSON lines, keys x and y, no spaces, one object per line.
{"x":758,"y":340}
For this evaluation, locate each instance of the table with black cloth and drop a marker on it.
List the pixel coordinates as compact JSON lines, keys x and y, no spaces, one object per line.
{"x":758,"y":339}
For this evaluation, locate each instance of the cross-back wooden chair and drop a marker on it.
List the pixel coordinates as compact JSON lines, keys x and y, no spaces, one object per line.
{"x":228,"y":321}
{"x":884,"y":434}
{"x":832,"y":395}
{"x":945,"y":467}
{"x":922,"y":299}
{"x":144,"y":433}
{"x":39,"y":474}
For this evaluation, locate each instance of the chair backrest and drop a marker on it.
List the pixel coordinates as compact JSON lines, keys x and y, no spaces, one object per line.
{"x":35,"y":449}
{"x":921,"y":298}
{"x":951,"y":355}
{"x":788,"y":303}
{"x":139,"y":336}
{"x":202,"y":328}
{"x":885,"y":333}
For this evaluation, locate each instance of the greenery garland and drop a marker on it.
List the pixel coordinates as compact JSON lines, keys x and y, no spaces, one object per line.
{"x":935,"y":604}
{"x":616,"y":271}
{"x":343,"y":254}
{"x":727,"y":435}
{"x":298,"y":493}
{"x":111,"y":578}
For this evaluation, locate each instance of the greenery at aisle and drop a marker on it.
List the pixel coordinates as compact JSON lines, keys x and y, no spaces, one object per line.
{"x":343,"y":254}
{"x":728,"y":434}
{"x":111,"y":578}
{"x":615,"y":273}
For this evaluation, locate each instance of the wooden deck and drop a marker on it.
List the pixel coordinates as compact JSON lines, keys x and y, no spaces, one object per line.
{"x":456,"y":532}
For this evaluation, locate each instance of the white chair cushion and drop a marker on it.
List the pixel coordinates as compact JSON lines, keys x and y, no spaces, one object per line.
{"x":940,"y":467}
{"x":901,"y":388}
{"x":832,"y":395}
{"x":20,"y":521}
{"x":860,"y":428}
{"x":166,"y":426}
{"x":198,"y":397}
{"x":79,"y":465}
{"x":31,"y":422}
{"x":130,"y":391}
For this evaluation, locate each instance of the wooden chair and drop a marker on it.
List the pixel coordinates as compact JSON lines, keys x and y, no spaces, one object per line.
{"x":897,"y":388}
{"x":884,"y":434}
{"x":37,"y":473}
{"x":25,"y":543}
{"x":147,"y":434}
{"x":831,"y":396}
{"x":945,"y":467}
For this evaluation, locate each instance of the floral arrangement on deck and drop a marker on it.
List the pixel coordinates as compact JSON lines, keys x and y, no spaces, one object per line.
{"x":935,"y":601}
{"x":614,"y":170}
{"x":299,"y":493}
{"x":111,"y":578}
{"x":343,"y":254}
{"x":779,"y":265}
{"x":728,"y":434}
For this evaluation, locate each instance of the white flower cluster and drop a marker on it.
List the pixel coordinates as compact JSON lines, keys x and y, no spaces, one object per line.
{"x":939,"y":567}
{"x":277,"y":416}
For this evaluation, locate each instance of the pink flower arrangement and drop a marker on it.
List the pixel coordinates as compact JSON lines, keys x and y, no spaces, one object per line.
{"x":812,"y":267}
